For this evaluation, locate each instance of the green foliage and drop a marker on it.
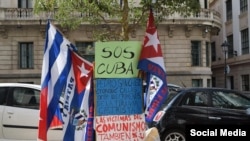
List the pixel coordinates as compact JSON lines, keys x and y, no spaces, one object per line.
{"x":129,"y":15}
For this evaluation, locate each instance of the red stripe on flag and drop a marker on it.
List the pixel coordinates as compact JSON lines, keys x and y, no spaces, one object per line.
{"x":56,"y":122}
{"x":42,"y":128}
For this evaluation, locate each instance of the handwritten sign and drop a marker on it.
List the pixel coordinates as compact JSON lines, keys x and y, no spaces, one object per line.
{"x":119,"y":96}
{"x":120,"y":128}
{"x":117,"y":59}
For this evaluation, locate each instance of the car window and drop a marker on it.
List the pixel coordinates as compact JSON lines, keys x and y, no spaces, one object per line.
{"x":3,"y":95}
{"x":196,"y":99}
{"x":229,"y":100}
{"x":170,"y":96}
{"x":26,"y":97}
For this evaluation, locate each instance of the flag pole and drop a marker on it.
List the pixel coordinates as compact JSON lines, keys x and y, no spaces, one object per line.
{"x":143,"y":75}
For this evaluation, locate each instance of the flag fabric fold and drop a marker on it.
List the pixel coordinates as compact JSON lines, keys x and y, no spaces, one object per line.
{"x":151,"y":62}
{"x":66,"y":84}
{"x":55,"y":68}
{"x":78,"y":101}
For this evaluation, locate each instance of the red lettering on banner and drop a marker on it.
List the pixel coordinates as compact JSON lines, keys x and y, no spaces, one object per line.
{"x":164,"y":90}
{"x":131,"y":126}
{"x":123,"y":136}
{"x":156,"y":69}
{"x":155,"y":104}
{"x":137,"y":117}
{"x":120,"y":127}
{"x":115,"y":136}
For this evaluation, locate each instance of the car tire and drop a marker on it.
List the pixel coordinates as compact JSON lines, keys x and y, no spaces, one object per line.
{"x":174,"y":135}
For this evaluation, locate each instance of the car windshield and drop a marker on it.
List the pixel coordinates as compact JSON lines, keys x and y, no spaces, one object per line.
{"x":229,"y":99}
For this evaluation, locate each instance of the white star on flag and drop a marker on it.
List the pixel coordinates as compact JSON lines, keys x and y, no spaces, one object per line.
{"x":153,"y":40}
{"x":84,"y":72}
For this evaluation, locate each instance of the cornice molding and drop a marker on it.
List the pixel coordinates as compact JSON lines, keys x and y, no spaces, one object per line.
{"x":188,"y":30}
{"x":170,"y":31}
{"x":42,"y":32}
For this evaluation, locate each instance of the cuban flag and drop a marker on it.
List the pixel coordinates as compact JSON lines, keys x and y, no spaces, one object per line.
{"x":55,"y":69}
{"x":151,"y":62}
{"x":78,"y":105}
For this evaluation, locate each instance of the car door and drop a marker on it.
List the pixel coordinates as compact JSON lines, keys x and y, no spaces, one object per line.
{"x":226,"y":109}
{"x":192,"y":109}
{"x":21,"y":114}
{"x":3,"y":99}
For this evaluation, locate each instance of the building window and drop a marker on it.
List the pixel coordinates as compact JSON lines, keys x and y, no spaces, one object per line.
{"x":197,"y":83}
{"x":25,"y":3}
{"x":229,"y":10}
{"x":205,"y":4}
{"x":196,"y":53}
{"x":243,"y":5}
{"x":245,"y":82}
{"x":213,"y":82}
{"x":121,"y":3}
{"x":244,"y":41}
{"x":26,"y":55}
{"x":213,"y":51}
{"x":207,"y":54}
{"x":86,"y":50}
{"x":231,"y":82}
{"x":231,"y":47}
{"x":208,"y":82}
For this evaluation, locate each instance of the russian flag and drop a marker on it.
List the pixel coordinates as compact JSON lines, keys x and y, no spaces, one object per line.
{"x":151,"y":62}
{"x":55,"y":69}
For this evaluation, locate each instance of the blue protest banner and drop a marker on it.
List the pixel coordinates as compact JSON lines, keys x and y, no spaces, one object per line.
{"x":119,"y":96}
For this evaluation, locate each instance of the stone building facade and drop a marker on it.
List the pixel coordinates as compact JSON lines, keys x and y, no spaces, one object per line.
{"x":235,"y":17}
{"x":185,"y":42}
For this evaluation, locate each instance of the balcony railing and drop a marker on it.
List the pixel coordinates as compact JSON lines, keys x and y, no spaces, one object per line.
{"x":16,"y":14}
{"x":204,"y":14}
{"x":27,"y":14}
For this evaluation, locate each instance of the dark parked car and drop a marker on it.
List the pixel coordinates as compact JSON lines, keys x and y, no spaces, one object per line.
{"x":200,"y":106}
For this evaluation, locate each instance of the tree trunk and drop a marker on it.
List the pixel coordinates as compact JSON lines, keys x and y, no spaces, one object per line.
{"x":125,"y":21}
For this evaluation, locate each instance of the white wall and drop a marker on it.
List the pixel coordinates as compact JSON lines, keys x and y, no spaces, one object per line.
{"x":8,"y":3}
